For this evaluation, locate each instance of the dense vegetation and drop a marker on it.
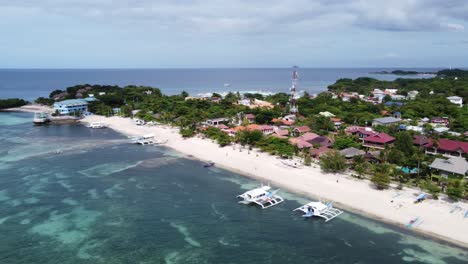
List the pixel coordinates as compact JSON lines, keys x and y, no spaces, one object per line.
{"x":445,"y":84}
{"x":10,"y":103}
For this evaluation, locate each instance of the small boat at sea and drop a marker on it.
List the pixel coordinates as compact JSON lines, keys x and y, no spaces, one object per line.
{"x":262,"y":196}
{"x":97,"y":125}
{"x":41,"y":118}
{"x":319,"y":209}
{"x":208,"y":164}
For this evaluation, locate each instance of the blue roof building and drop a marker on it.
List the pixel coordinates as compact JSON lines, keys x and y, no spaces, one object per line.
{"x":68,"y":107}
{"x":391,"y":103}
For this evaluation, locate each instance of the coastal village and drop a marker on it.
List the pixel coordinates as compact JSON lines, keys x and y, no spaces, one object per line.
{"x":369,"y":143}
{"x":327,"y":152}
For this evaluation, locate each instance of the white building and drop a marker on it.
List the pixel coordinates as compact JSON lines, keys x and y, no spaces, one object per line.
{"x":456,"y":100}
{"x":412,"y":95}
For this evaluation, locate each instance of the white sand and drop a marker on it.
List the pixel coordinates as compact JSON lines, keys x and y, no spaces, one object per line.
{"x":357,"y":195}
{"x":31,"y":108}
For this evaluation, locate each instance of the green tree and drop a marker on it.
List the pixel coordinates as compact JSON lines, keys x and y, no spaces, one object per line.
{"x":381,"y":177}
{"x":333,"y":161}
{"x":307,"y":159}
{"x":404,"y":143}
{"x":455,"y":190}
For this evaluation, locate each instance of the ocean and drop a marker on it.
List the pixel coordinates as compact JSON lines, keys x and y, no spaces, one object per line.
{"x":30,"y":84}
{"x":69,"y":194}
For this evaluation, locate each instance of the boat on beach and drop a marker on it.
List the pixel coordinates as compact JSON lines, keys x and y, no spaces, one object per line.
{"x":97,"y":125}
{"x":262,"y":196}
{"x":208,"y":164}
{"x":319,"y":209}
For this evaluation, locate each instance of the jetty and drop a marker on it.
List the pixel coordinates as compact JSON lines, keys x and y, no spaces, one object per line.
{"x":319,"y":209}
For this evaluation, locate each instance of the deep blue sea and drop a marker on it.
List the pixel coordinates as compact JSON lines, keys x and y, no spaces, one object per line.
{"x":69,"y":194}
{"x":30,"y":84}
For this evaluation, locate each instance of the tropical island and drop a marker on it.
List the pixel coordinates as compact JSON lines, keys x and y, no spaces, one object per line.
{"x":403,"y":72}
{"x":407,"y":134}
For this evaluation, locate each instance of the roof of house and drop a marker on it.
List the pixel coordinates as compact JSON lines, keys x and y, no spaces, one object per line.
{"x":284,"y":122}
{"x":453,"y":145}
{"x":222,"y":126}
{"x":71,"y":102}
{"x":335,"y":119}
{"x":421,"y":140}
{"x":326,"y":114}
{"x":308,"y":136}
{"x":302,"y":129}
{"x":323,"y":141}
{"x":379,"y":138}
{"x":454,"y":165}
{"x":387,"y":120}
{"x":317,"y":152}
{"x":351,"y":152}
{"x":250,"y":116}
{"x":394,"y":103}
{"x":454,"y":97}
{"x":355,"y":129}
{"x":303,"y":144}
{"x":282,"y":132}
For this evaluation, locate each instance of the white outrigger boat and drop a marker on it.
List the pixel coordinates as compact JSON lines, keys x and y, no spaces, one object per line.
{"x":262,"y":196}
{"x":97,"y":125}
{"x":326,"y":211}
{"x":147,"y":140}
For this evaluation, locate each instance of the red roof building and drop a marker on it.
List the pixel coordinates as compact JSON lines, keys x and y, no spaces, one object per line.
{"x":447,"y":147}
{"x":301,"y":130}
{"x":378,"y":140}
{"x":250,"y":118}
{"x":318,"y":152}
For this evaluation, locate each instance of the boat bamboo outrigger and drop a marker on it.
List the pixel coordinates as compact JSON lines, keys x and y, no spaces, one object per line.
{"x":262,"y":196}
{"x":97,"y":125}
{"x":326,"y":211}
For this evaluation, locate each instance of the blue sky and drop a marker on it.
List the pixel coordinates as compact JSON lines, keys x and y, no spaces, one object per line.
{"x":235,"y":33}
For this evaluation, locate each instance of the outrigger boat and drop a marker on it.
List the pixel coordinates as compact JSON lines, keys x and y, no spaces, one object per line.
{"x":97,"y":125}
{"x":326,"y":211}
{"x":262,"y":196}
{"x":209,"y":164}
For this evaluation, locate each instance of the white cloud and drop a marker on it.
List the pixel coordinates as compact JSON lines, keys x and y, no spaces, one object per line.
{"x":262,"y":16}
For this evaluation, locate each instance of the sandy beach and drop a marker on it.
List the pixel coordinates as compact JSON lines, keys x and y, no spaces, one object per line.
{"x":439,"y":219}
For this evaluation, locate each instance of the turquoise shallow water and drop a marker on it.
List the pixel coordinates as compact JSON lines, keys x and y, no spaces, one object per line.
{"x":105,"y":201}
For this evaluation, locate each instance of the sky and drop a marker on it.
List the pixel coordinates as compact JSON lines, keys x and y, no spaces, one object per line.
{"x":234,"y":33}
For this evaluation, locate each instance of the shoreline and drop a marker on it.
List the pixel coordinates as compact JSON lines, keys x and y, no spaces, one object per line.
{"x":394,"y":207}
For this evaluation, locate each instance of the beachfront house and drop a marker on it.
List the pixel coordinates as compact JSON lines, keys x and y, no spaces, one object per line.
{"x":451,"y":166}
{"x":385,"y":121}
{"x":72,"y":106}
{"x":378,"y":140}
{"x":456,"y":100}
{"x":316,"y":153}
{"x":350,"y":153}
{"x":216,"y":121}
{"x":447,"y":148}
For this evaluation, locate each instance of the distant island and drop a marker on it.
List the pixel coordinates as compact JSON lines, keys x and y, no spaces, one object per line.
{"x":401,"y":72}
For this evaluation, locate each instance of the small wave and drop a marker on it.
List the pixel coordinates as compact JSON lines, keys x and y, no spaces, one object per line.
{"x":185,"y":232}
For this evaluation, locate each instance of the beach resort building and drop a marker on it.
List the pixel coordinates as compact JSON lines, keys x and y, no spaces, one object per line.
{"x":456,"y":100}
{"x":385,"y":121}
{"x":378,"y":140}
{"x":72,"y":106}
{"x":216,"y":121}
{"x":316,"y":153}
{"x":451,"y":166}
